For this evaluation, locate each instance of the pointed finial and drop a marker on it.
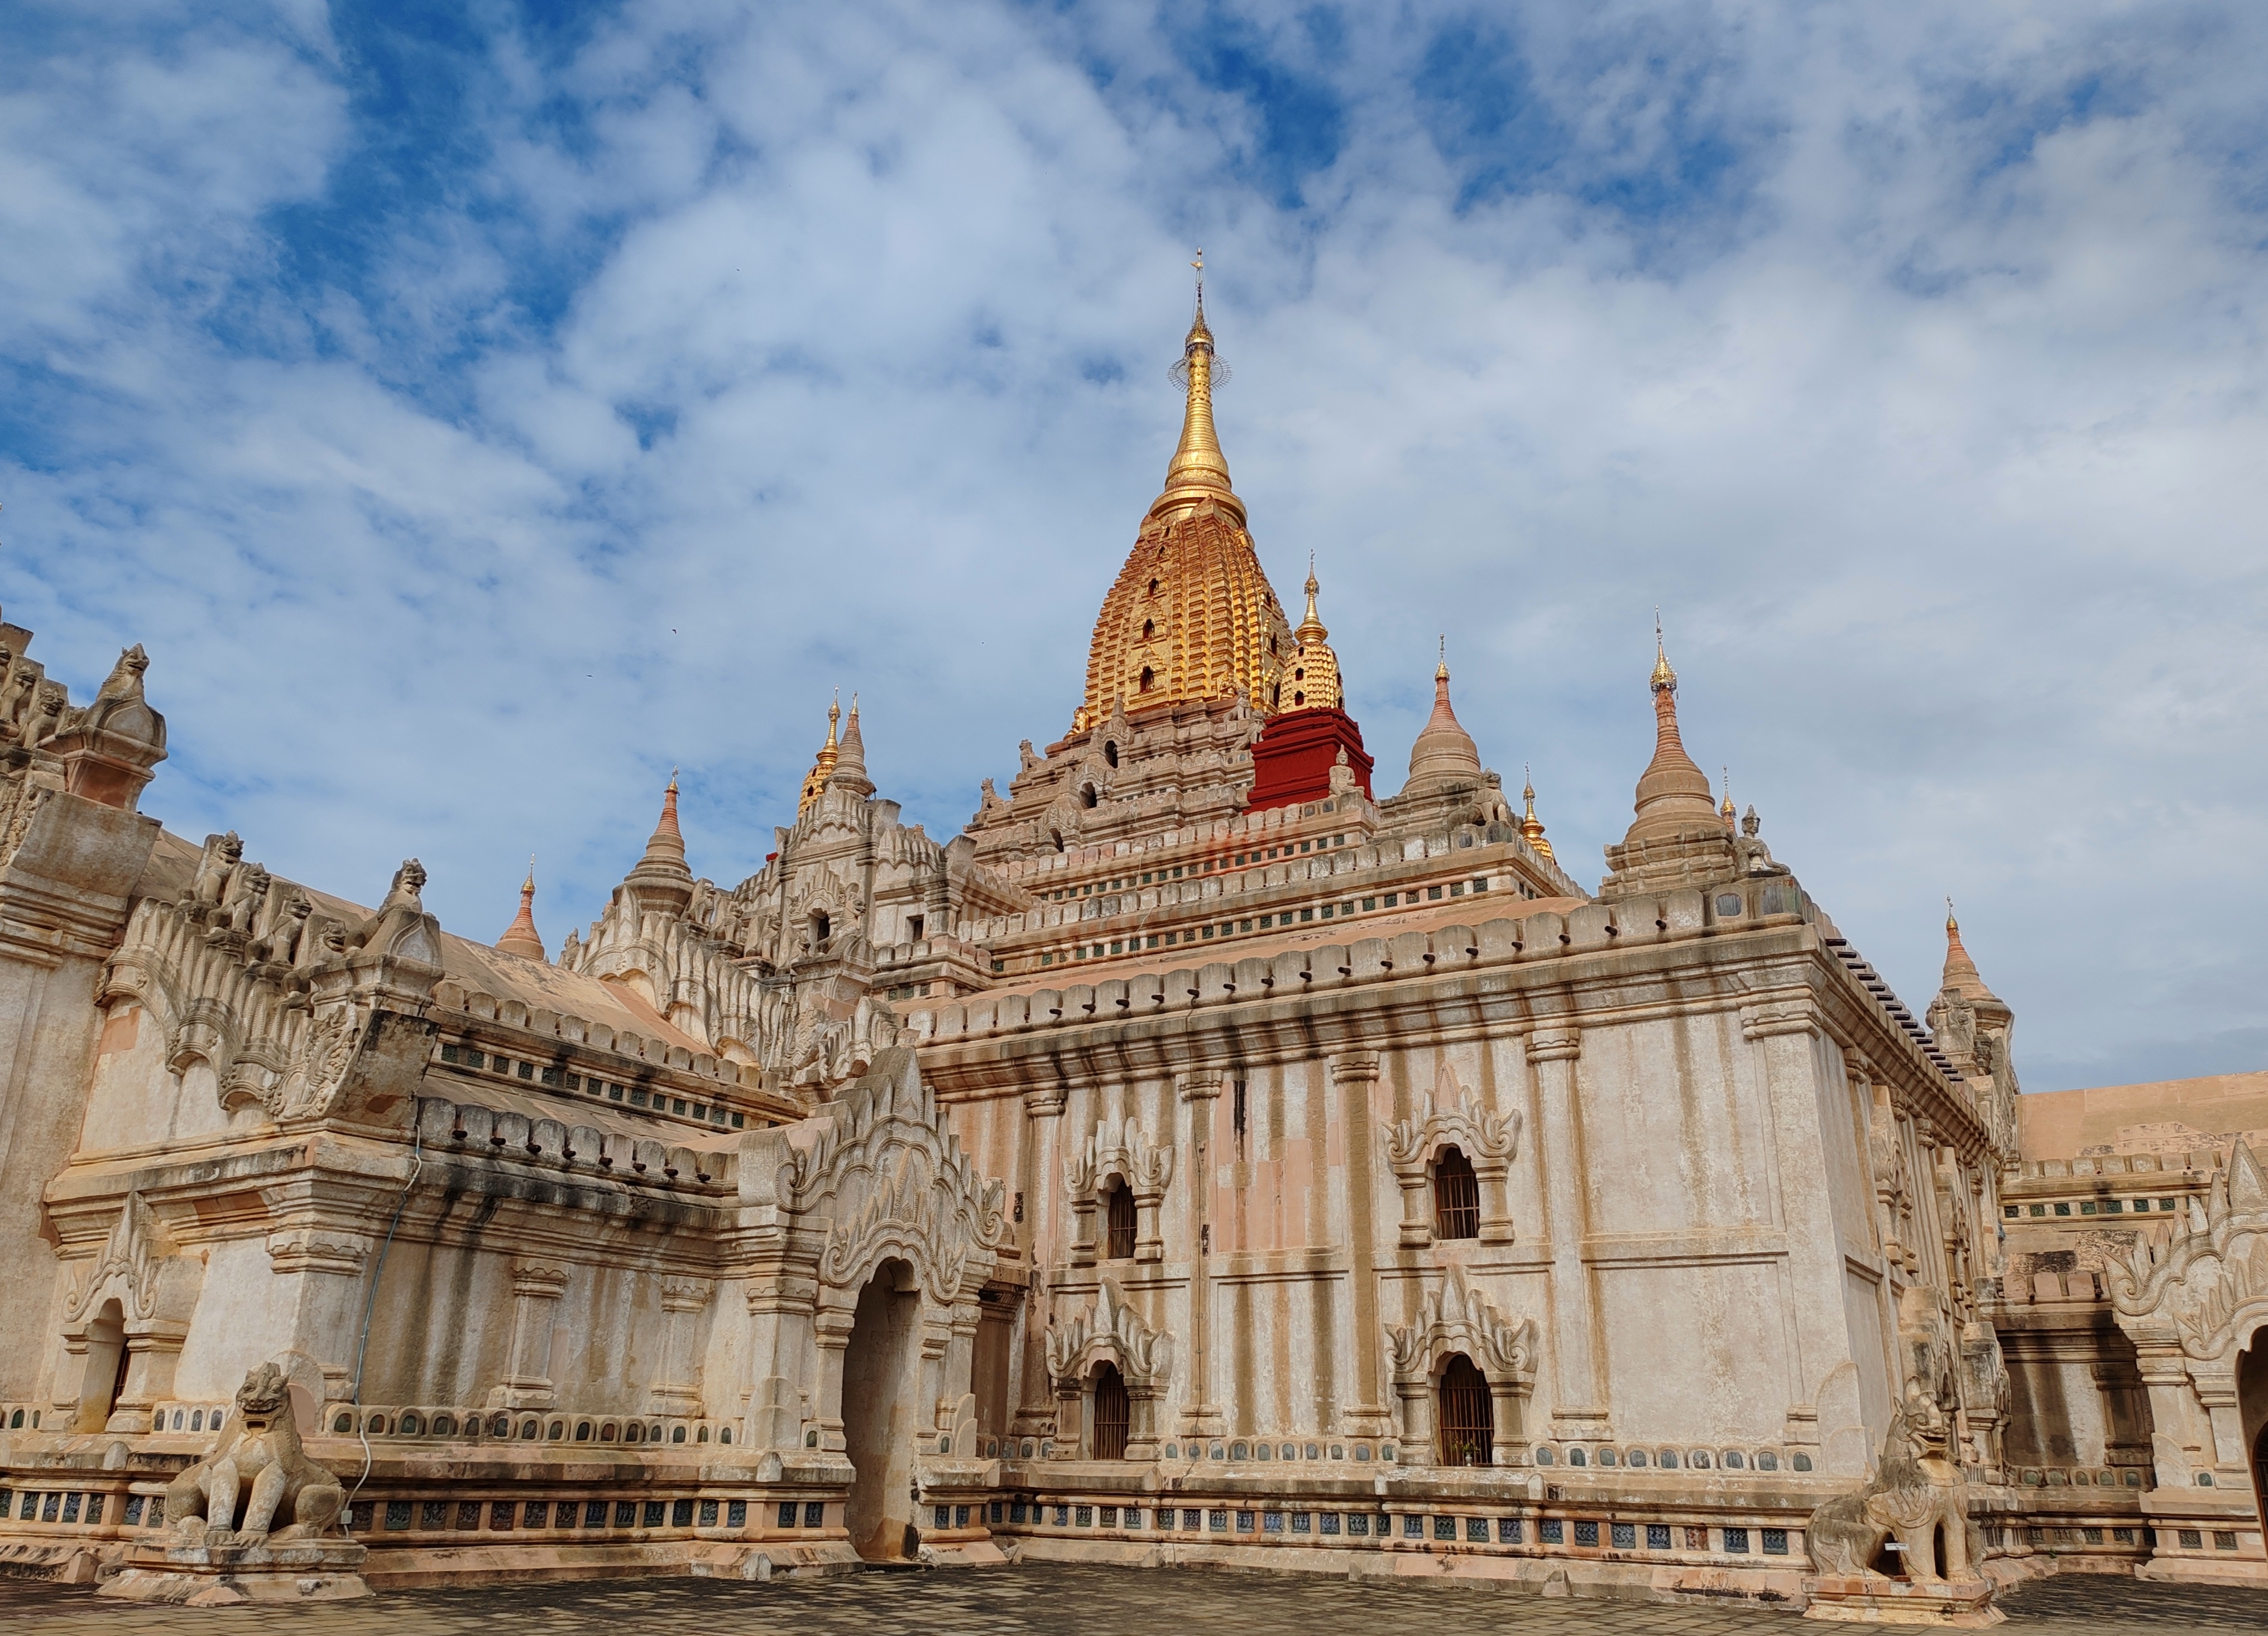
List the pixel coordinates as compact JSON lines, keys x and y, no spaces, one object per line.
{"x":521,"y":938}
{"x":1531,"y":827}
{"x":1442,"y":670}
{"x":1951,"y":924}
{"x":1730,"y":812}
{"x":1665,"y":679}
{"x":854,"y":701}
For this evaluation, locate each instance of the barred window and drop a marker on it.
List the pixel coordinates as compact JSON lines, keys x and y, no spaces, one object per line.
{"x":1118,"y":1218}
{"x":1467,"y":1428}
{"x":1456,"y":1197}
{"x":1113,"y":1414}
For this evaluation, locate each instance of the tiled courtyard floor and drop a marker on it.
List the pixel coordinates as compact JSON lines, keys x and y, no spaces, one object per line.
{"x":1052,"y":1601}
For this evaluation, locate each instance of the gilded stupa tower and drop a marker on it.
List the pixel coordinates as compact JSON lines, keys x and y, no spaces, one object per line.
{"x":1191,"y":615}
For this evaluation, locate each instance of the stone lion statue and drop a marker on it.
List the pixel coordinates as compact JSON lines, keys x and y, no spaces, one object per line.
{"x":258,"y":1460}
{"x":1916,"y":1492}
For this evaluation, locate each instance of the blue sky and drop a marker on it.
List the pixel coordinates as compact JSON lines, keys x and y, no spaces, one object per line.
{"x":479,"y":410}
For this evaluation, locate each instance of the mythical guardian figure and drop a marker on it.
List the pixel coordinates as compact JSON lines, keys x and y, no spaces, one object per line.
{"x":1917,"y":1493}
{"x":257,"y":1461}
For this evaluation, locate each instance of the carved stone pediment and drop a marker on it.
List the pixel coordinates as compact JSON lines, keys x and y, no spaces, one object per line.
{"x":887,"y":1179}
{"x":2208,"y":1290}
{"x":1110,"y":1329}
{"x":1455,"y":1317}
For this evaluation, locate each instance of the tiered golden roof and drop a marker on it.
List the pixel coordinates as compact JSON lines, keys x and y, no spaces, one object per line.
{"x":1192,"y":616}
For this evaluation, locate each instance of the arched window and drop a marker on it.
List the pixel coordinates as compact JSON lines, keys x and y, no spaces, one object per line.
{"x":1118,"y":1222}
{"x":1468,"y":1424}
{"x":1056,"y":837}
{"x":1298,"y":700}
{"x":820,"y":926}
{"x":445,"y":1426}
{"x":1149,"y":628}
{"x":1110,"y":752}
{"x":1153,"y":588}
{"x":1456,"y":1197}
{"x":1275,"y":695}
{"x":1086,"y":796}
{"x":1112,"y":1415}
{"x":1148,"y":676}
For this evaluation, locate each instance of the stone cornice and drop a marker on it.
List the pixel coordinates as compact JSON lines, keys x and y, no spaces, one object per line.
{"x":1467,"y":984}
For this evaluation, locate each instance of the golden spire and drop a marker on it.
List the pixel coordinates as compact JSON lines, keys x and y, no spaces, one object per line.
{"x":1665,"y":679}
{"x":1314,"y":683}
{"x":1191,"y":616}
{"x":1727,"y":811}
{"x":1311,"y":627}
{"x":1531,"y":827}
{"x":1199,"y":471}
{"x":815,"y":780}
{"x":521,"y":938}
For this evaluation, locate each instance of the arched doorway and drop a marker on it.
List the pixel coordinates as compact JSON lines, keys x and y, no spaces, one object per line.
{"x":104,"y":1375}
{"x":1467,"y":1421}
{"x":1111,"y":1416}
{"x":879,"y":1414}
{"x":2253,"y":1412}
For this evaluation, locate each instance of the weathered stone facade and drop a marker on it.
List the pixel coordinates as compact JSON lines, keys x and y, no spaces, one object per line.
{"x":1146,"y":1173}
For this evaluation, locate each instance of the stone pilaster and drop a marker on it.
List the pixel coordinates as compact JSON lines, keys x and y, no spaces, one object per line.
{"x":677,"y":1392}
{"x":1578,"y":1398}
{"x":536,"y":1288}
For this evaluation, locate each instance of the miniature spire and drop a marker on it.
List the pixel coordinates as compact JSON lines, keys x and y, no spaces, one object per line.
{"x":850,"y":768}
{"x":1314,"y":681}
{"x":1199,"y":470}
{"x":667,"y":843}
{"x":1673,"y":793}
{"x":1311,"y":627}
{"x":1531,"y":827}
{"x":815,"y":780}
{"x":660,"y":881}
{"x":521,"y":938}
{"x":1960,"y":971}
{"x":1445,"y":755}
{"x":1727,"y":811}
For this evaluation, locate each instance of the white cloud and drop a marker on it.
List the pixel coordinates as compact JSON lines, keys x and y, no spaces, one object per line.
{"x":467,"y":463}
